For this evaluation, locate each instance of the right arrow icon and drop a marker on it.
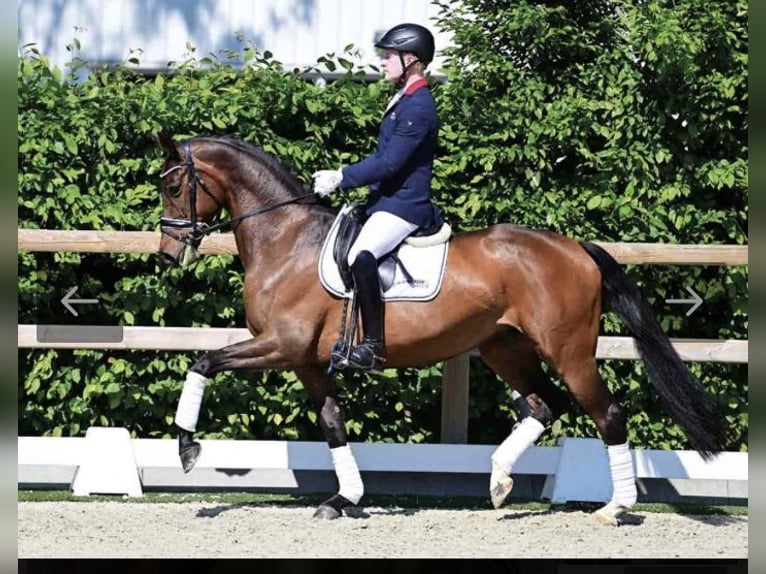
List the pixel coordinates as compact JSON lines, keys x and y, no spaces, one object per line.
{"x":697,"y":301}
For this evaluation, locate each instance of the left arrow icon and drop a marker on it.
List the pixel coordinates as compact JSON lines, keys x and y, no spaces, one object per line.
{"x":67,"y":301}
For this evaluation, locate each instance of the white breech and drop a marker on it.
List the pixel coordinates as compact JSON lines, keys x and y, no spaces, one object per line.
{"x":380,"y":235}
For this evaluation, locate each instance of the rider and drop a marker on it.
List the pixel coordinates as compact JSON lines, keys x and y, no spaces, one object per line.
{"x":399,"y":177}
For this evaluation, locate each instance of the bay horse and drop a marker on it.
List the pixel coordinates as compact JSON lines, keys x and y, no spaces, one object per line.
{"x":521,"y":296}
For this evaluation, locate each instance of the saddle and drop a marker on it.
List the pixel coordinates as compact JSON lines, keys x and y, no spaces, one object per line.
{"x":350,"y":224}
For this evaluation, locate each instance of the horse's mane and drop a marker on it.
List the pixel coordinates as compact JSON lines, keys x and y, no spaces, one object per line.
{"x":324,"y":215}
{"x":267,"y":160}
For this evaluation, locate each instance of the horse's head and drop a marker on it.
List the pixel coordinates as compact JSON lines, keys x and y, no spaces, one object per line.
{"x":191,"y":198}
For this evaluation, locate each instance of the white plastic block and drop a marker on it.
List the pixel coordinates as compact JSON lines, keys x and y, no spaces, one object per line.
{"x":108,"y":464}
{"x":583,"y":472}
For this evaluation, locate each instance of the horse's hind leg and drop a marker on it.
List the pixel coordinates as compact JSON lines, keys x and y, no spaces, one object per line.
{"x":580,"y":373}
{"x":321,"y":391}
{"x":513,"y":357}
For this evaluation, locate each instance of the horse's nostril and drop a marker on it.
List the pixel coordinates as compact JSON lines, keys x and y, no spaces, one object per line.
{"x":167,"y":260}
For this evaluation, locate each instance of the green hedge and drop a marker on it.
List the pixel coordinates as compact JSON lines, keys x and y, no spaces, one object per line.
{"x":603,"y":124}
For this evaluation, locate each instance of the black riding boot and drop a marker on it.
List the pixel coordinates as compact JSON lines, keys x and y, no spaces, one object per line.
{"x":371,"y":353}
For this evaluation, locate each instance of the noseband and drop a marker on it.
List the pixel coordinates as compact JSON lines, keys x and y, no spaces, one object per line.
{"x":199,"y":229}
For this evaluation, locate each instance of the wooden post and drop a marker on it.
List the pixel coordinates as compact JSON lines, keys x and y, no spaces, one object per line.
{"x":455,"y":400}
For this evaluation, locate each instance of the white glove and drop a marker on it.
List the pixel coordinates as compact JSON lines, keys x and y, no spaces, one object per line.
{"x":326,"y":181}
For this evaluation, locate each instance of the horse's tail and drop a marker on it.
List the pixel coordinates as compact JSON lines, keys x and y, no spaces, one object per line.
{"x":682,"y":395}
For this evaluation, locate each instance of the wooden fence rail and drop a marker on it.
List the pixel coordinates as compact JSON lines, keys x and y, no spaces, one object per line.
{"x":223,"y":244}
{"x":455,"y":386}
{"x":209,"y":338}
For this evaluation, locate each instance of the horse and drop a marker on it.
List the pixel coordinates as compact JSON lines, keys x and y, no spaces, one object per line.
{"x":523,"y":297}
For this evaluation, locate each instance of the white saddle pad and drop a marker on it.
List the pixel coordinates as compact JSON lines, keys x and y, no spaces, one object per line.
{"x":425,"y":264}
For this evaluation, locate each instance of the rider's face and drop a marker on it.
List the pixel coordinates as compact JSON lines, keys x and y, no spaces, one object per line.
{"x":392,"y":64}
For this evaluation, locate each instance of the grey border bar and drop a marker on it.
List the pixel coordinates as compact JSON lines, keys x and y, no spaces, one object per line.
{"x":79,"y":333}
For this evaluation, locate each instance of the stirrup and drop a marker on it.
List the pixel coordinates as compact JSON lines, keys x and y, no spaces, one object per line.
{"x":338,"y":357}
{"x":367,"y":356}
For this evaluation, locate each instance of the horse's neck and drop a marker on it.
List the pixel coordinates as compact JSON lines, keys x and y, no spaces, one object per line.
{"x":268,"y":240}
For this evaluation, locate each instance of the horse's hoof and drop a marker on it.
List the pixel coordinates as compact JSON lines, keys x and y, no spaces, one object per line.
{"x":189,"y":455}
{"x":500,"y":491}
{"x":332,"y":508}
{"x":610,"y":514}
{"x":501,"y":485}
{"x":326,"y":512}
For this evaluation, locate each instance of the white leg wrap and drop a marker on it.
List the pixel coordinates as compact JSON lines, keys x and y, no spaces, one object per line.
{"x":623,"y":476}
{"x":522,"y":437}
{"x":190,"y":401}
{"x":349,"y":479}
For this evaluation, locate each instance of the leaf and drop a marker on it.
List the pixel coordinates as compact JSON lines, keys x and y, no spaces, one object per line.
{"x":312,"y":106}
{"x":70,"y":143}
{"x":115,"y":401}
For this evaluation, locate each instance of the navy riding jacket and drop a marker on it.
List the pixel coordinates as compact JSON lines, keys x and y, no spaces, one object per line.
{"x":399,"y":172}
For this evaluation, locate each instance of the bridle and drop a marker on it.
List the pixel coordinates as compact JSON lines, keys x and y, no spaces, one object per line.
{"x":199,"y":229}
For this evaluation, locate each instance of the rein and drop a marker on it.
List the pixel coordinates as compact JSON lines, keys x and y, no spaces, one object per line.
{"x":199,"y":229}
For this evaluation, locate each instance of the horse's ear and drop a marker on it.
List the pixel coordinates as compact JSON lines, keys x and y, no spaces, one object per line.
{"x":166,"y":142}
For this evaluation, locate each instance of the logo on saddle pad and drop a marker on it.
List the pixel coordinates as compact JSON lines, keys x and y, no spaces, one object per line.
{"x":413,"y":272}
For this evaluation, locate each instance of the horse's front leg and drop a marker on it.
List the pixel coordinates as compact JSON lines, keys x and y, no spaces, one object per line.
{"x":321,"y":391}
{"x":253,"y":354}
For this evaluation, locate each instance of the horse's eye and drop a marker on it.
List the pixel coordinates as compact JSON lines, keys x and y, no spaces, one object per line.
{"x":173,"y":189}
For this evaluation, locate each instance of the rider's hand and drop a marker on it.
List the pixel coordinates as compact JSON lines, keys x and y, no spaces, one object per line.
{"x":326,"y":181}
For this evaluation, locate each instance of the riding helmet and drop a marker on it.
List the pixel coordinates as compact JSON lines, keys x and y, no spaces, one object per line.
{"x":409,"y":38}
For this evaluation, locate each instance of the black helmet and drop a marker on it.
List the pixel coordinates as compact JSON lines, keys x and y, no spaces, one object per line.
{"x":409,"y":38}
